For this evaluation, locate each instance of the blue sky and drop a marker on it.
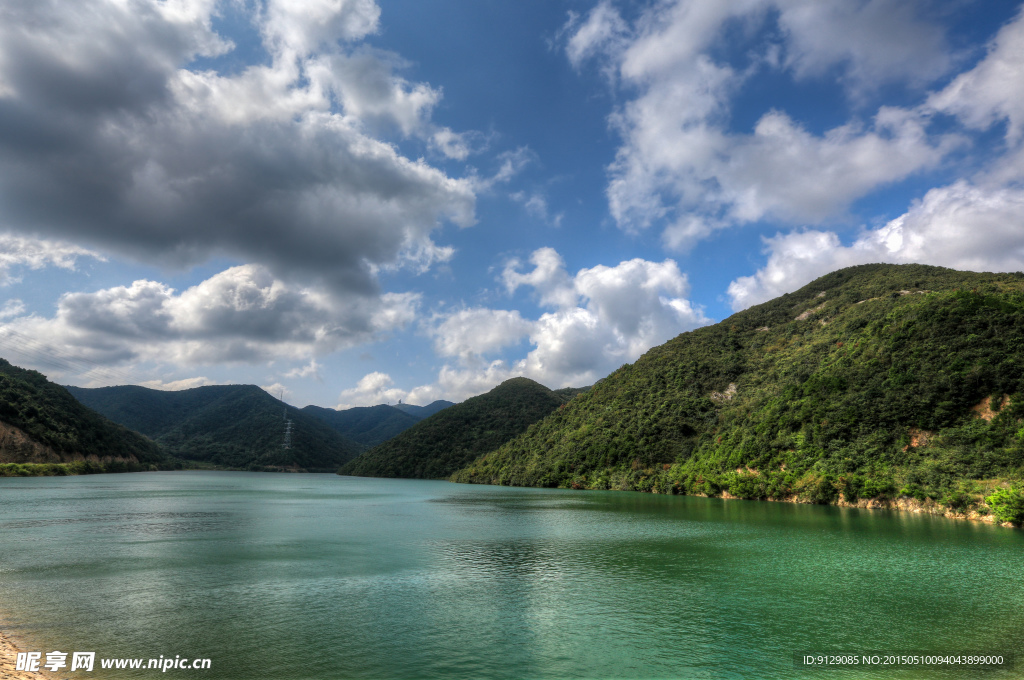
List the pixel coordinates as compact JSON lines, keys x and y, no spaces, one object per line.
{"x":353,"y":202}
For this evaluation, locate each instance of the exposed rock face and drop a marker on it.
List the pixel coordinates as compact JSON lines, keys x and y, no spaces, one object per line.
{"x":984,"y":408}
{"x":16,"y":446}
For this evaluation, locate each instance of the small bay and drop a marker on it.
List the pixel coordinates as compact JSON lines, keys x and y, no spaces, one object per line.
{"x":321,"y":576}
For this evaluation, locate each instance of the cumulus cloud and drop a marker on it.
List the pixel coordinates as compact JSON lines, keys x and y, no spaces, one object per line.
{"x":548,"y":278}
{"x":960,"y":226}
{"x":470,"y":332}
{"x":110,"y":136}
{"x":243,"y":314}
{"x":310,"y":370}
{"x":603,"y":31}
{"x":12,"y":307}
{"x":680,"y":165}
{"x":599,"y":319}
{"x":372,"y":389}
{"x":994,"y":89}
{"x":34,"y":253}
{"x":176,"y":385}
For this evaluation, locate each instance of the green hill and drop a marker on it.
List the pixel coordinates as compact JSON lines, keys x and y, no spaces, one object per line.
{"x":454,"y":436}
{"x":239,"y":426}
{"x":367,"y":425}
{"x":42,"y":424}
{"x":873,"y":382}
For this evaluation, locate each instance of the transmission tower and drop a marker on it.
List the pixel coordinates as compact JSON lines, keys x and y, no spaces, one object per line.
{"x":287,"y":426}
{"x":287,"y":434}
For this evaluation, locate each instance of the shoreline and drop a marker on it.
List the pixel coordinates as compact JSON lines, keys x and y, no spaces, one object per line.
{"x":901,"y":504}
{"x":10,"y":645}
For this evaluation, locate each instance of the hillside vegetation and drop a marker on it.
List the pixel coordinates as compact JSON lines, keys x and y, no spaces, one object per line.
{"x":237,"y":426}
{"x":439,"y":445}
{"x":372,"y":425}
{"x":873,"y":382}
{"x":45,"y":430}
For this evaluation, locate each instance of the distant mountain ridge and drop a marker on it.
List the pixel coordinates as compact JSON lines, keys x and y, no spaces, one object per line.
{"x":457,"y":434}
{"x":367,"y":425}
{"x":238,"y":426}
{"x":421,"y":412}
{"x":42,"y":423}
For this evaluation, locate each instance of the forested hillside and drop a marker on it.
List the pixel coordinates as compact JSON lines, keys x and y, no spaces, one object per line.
{"x":878,"y":381}
{"x":42,"y":424}
{"x":367,"y":425}
{"x":454,"y":436}
{"x":238,"y":426}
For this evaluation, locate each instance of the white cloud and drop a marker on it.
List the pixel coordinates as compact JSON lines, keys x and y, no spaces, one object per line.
{"x":960,"y":226}
{"x":243,"y":314}
{"x":600,"y":318}
{"x":12,"y":307}
{"x":603,"y":31}
{"x":176,"y":385}
{"x":994,"y":89}
{"x":35,"y":253}
{"x":679,"y":163}
{"x":469,"y":332}
{"x":458,"y":145}
{"x":372,"y":389}
{"x":310,"y":370}
{"x":304,"y":26}
{"x":548,"y":278}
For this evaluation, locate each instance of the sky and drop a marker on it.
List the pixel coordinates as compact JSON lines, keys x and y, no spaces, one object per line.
{"x":353,"y":202}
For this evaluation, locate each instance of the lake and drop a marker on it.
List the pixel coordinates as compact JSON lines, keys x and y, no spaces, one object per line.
{"x":319,"y":576}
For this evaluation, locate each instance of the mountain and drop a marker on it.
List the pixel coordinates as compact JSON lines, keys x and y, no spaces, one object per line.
{"x":454,"y":436}
{"x":873,"y":382}
{"x":421,"y":412}
{"x":367,"y":425}
{"x":41,"y":423}
{"x":239,"y":426}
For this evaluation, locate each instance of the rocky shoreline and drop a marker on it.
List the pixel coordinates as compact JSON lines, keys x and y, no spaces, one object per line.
{"x":901,"y":504}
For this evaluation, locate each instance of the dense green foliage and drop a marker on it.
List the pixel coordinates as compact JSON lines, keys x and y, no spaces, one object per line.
{"x":50,"y":416}
{"x":82,"y":467}
{"x":568,"y":393}
{"x":866,"y":383}
{"x":1007,"y":504}
{"x":237,"y":426}
{"x":367,"y":425}
{"x":451,"y":438}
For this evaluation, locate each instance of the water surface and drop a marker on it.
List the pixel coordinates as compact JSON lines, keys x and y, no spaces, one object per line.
{"x":320,"y":576}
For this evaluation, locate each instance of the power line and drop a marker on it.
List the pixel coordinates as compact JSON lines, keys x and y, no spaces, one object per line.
{"x":37,"y":354}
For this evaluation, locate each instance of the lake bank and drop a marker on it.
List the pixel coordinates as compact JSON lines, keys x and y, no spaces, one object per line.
{"x":902,"y":504}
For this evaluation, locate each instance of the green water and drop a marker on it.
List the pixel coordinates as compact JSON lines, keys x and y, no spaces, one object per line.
{"x":320,"y":576}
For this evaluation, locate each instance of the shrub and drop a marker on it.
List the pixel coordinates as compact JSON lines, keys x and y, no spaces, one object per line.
{"x":1007,"y":504}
